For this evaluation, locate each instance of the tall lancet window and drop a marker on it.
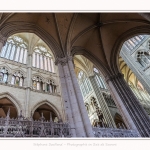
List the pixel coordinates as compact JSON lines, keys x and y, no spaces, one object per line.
{"x":15,"y":49}
{"x":3,"y":74}
{"x":133,"y":42}
{"x":17,"y":79}
{"x":99,"y":79}
{"x":84,"y":83}
{"x":42,"y":59}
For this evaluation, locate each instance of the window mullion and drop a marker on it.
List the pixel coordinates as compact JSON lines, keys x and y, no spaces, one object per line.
{"x":39,"y":61}
{"x":36,"y":60}
{"x":23,"y":55}
{"x":43,"y":63}
{"x":19,"y":53}
{"x":47,"y":63}
{"x":10,"y":52}
{"x":52,"y":65}
{"x":15,"y":53}
{"x":6,"y":50}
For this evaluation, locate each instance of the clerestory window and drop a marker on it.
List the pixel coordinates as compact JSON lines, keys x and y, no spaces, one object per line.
{"x":134,"y":42}
{"x":15,"y":49}
{"x":99,"y":80}
{"x":42,"y":59}
{"x":84,"y":83}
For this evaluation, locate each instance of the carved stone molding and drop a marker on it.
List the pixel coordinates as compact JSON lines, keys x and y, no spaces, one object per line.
{"x":70,"y":58}
{"x":63,"y":60}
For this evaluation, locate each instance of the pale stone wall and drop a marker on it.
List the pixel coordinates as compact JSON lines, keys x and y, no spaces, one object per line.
{"x":36,"y":98}
{"x":18,"y":95}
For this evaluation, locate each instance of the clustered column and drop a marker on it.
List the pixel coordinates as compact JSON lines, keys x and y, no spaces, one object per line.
{"x":84,"y":115}
{"x":65,"y":97}
{"x":28,"y":88}
{"x":133,"y":113}
{"x":73,"y":101}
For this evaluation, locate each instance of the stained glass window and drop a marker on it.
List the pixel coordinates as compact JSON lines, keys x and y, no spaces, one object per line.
{"x":15,"y":49}
{"x":51,"y":87}
{"x":37,"y":83}
{"x":42,"y":59}
{"x":134,"y":42}
{"x":5,"y":78}
{"x":34,"y":84}
{"x":99,"y":79}
{"x":17,"y":79}
{"x":3,"y":74}
{"x":84,"y":83}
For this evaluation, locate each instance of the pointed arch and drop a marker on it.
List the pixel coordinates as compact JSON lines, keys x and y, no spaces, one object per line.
{"x":13,"y":99}
{"x":38,"y":75}
{"x":96,"y":61}
{"x":10,"y":28}
{"x":19,"y":70}
{"x":119,"y":43}
{"x":49,"y":104}
{"x":7,"y":67}
{"x":118,"y":120}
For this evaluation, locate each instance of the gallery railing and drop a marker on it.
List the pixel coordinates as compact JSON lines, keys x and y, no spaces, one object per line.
{"x":114,"y":133}
{"x":21,"y":127}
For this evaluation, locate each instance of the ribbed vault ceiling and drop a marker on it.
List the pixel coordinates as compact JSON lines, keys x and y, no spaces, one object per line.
{"x":96,"y":33}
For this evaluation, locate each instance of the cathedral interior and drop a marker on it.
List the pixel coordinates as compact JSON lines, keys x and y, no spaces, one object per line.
{"x":75,"y":75}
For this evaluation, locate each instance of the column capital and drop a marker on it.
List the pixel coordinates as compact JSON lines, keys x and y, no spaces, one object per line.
{"x":114,"y":76}
{"x":70,"y":58}
{"x":63,"y":60}
{"x":2,"y":38}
